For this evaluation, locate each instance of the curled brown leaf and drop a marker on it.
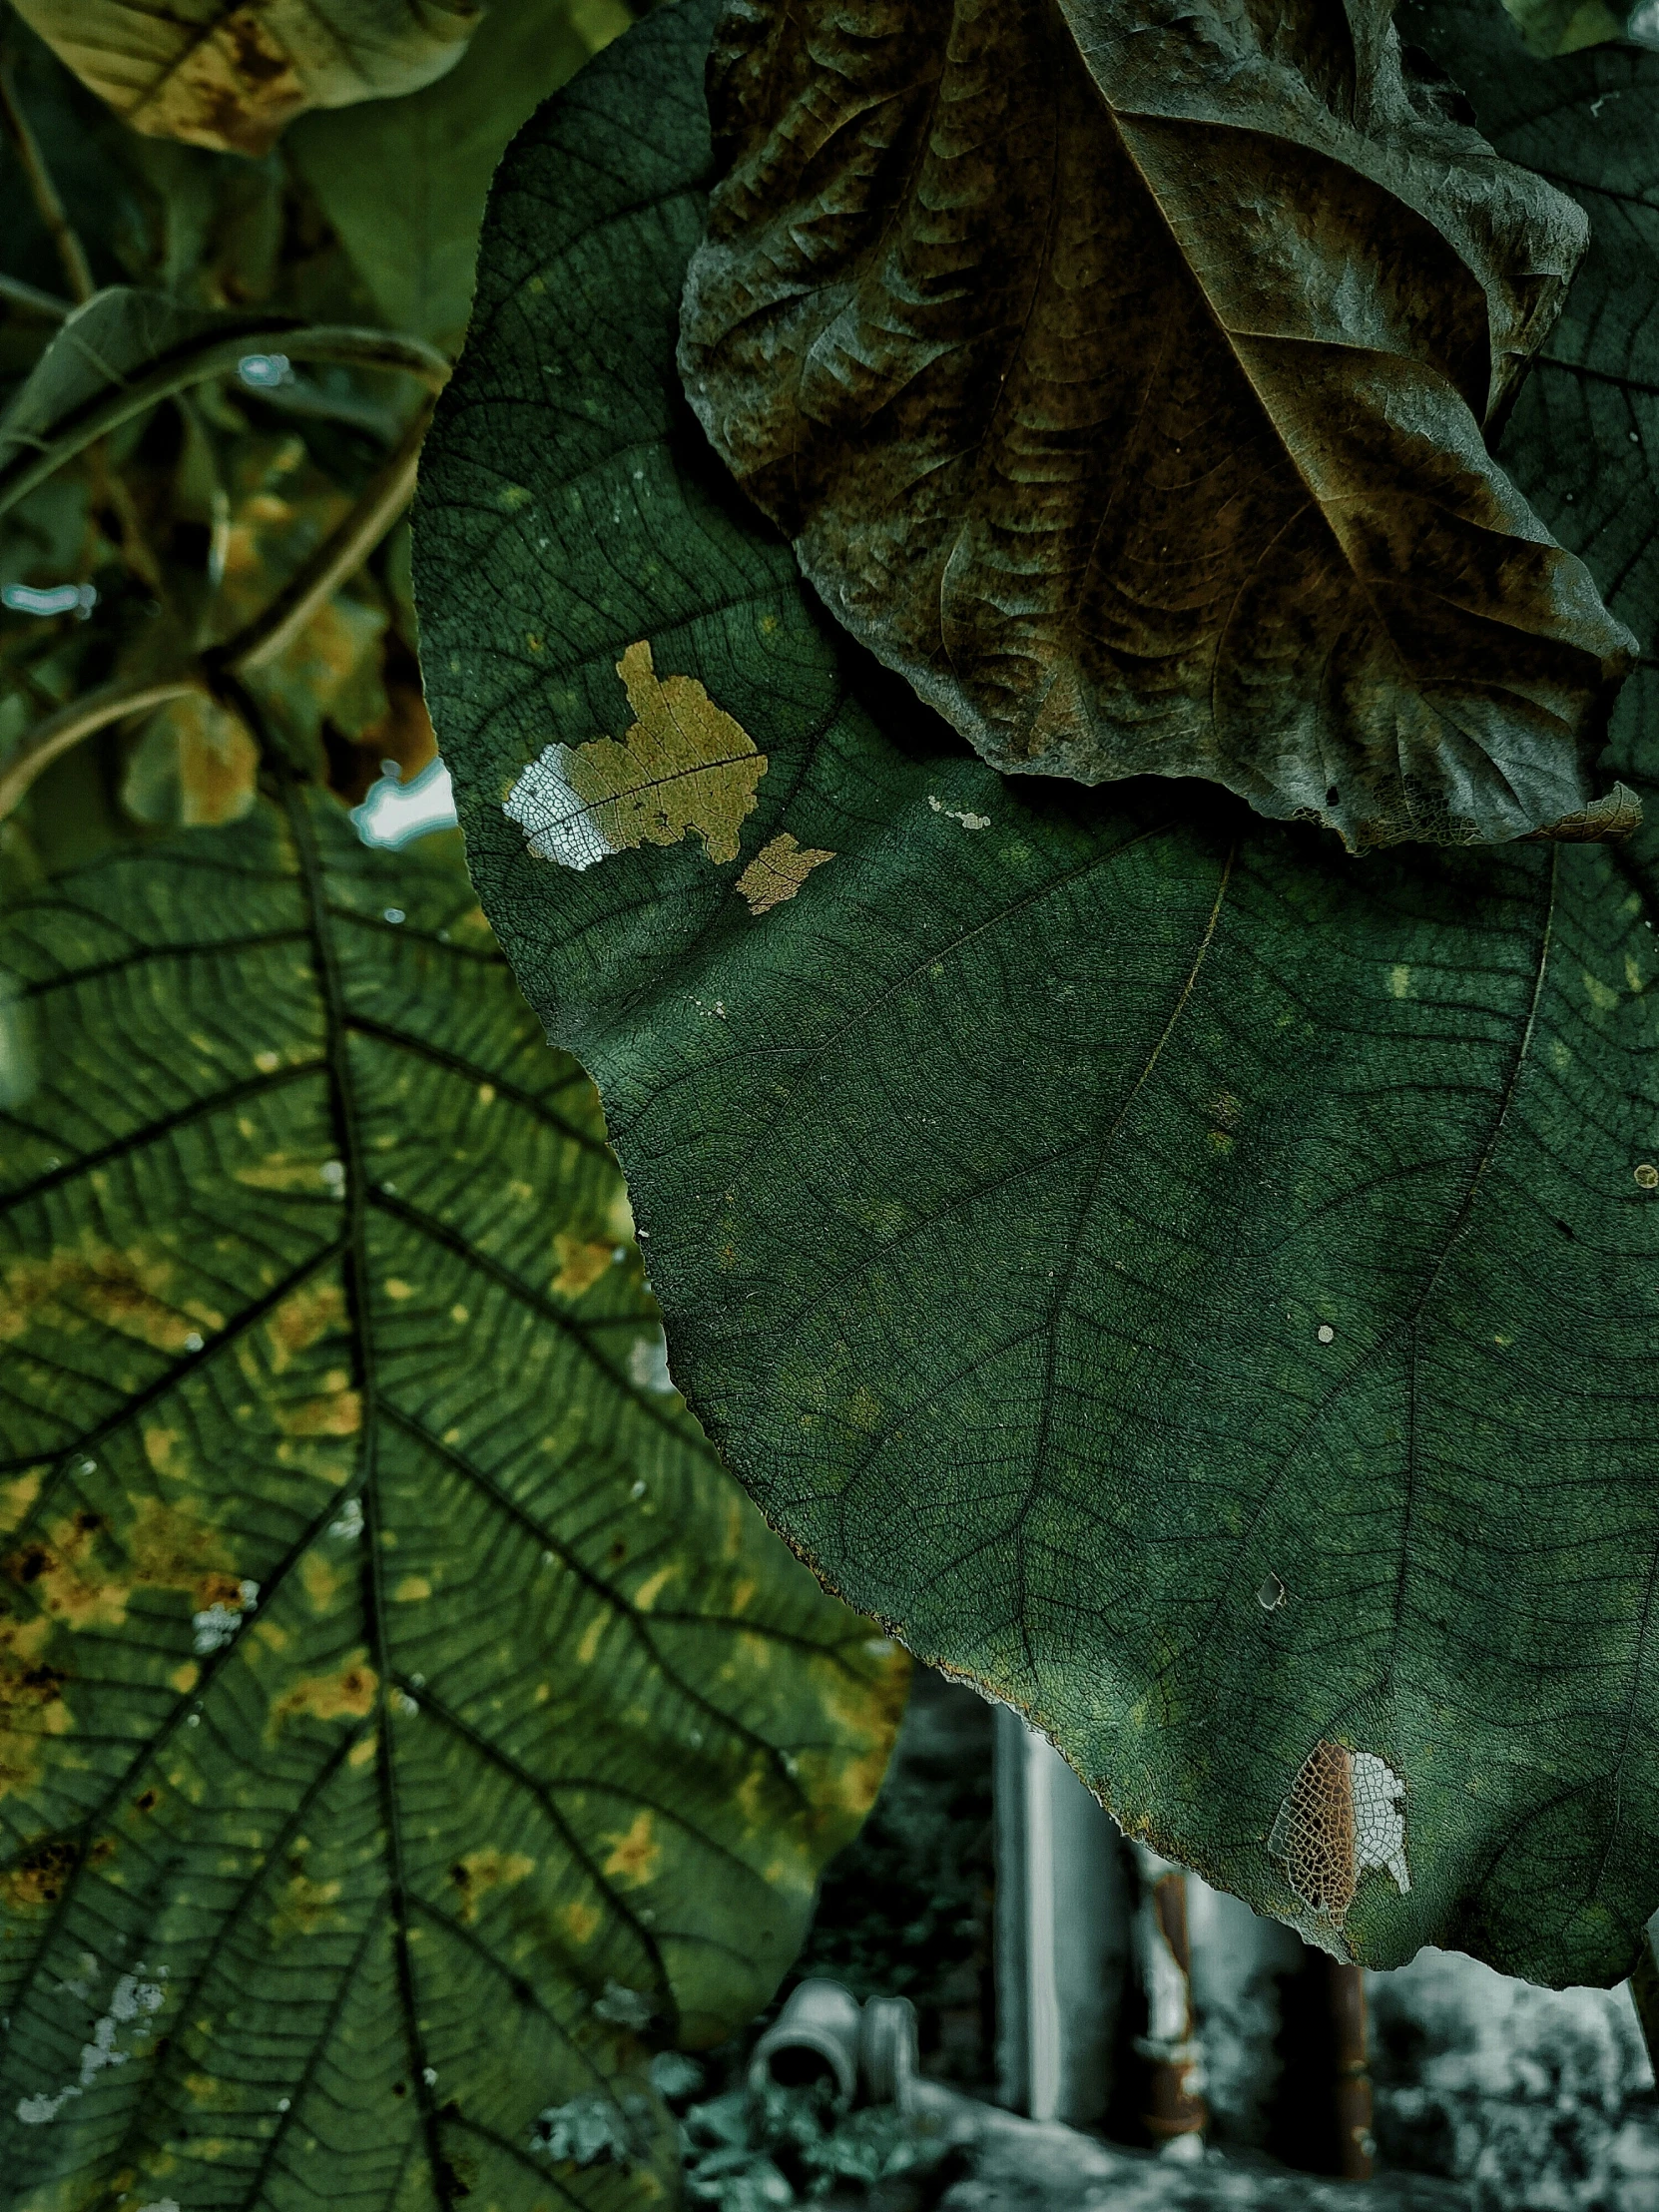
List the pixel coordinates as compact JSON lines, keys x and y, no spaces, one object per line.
{"x":1120,"y":368}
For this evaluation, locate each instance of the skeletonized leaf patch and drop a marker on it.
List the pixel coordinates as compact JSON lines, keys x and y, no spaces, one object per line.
{"x":1341,"y":1816}
{"x":682,"y":765}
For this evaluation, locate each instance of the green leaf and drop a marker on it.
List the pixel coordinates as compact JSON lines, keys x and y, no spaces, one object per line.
{"x":1194,"y":1284}
{"x":1120,"y":382}
{"x":229,"y":74}
{"x":125,"y":350}
{"x":404,"y":1722}
{"x":404,"y":182}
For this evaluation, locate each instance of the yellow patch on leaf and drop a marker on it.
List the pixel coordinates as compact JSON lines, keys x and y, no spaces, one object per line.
{"x":103,"y":1287}
{"x":592,"y":1637}
{"x":73,"y":1577}
{"x":653,"y":1587}
{"x":302,"y":1320}
{"x":320,"y":1580}
{"x":634,"y":1856}
{"x":17,"y":1498}
{"x":868,"y":1714}
{"x":683,"y":766}
{"x":331,"y":1412}
{"x":479,"y":1872}
{"x":348,"y":1695}
{"x":778,"y":872}
{"x":579,"y":1920}
{"x":580,"y":1264}
{"x":303,"y":1906}
{"x":31,"y":1702}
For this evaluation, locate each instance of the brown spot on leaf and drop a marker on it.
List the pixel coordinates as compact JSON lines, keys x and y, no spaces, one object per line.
{"x":1313,"y":1838}
{"x":36,"y":1880}
{"x":231,"y":90}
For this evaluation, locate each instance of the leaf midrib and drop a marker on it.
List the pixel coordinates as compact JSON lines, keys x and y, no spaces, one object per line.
{"x":360,"y":1317}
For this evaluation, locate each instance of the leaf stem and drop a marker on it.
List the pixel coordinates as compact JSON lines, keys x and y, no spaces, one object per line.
{"x":109,"y":703}
{"x":29,"y":300}
{"x":71,"y":252}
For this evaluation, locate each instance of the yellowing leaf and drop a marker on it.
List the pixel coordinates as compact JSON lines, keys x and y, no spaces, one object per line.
{"x":778,"y":872}
{"x":683,"y":764}
{"x":230,"y":76}
{"x":1182,"y":472}
{"x":194,"y":767}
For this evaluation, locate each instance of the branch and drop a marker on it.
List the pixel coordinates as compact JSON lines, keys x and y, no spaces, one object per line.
{"x":316,"y":581}
{"x":55,"y":736}
{"x":71,"y":252}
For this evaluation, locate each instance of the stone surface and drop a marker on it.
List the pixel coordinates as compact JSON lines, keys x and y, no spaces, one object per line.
{"x":1037,"y":2167}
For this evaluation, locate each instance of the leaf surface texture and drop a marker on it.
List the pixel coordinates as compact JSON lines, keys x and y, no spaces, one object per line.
{"x":405,"y":1725}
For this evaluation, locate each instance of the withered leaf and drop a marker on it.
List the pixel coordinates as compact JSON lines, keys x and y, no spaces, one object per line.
{"x":229,"y":77}
{"x":1119,"y":372}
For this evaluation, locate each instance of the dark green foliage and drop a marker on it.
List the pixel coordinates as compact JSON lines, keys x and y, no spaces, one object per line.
{"x":1193,"y":1283}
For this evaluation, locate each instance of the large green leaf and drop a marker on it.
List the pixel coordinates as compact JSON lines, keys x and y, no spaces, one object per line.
{"x":228,"y":75}
{"x":1193,"y":1283}
{"x":1120,"y":375}
{"x":404,"y":1722}
{"x":418,"y":242}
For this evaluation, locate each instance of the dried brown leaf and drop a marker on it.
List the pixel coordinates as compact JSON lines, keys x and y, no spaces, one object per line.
{"x":1119,"y":370}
